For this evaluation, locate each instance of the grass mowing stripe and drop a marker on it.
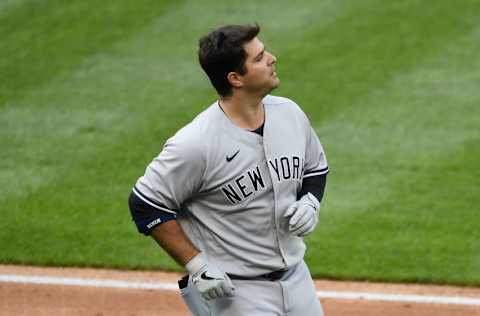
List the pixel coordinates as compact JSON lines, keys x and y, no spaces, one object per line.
{"x":8,"y":5}
{"x":410,"y":215}
{"x":91,"y":104}
{"x":42,"y":39}
{"x":422,"y":211}
{"x":365,"y":48}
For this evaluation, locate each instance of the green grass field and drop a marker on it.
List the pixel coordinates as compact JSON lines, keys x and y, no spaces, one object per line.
{"x":90,"y":90}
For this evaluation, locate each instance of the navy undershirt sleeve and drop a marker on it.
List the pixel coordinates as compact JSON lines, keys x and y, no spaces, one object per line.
{"x":314,"y":185}
{"x":145,"y":216}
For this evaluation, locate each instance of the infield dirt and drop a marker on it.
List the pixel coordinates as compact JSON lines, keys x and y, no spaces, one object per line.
{"x":41,"y":300}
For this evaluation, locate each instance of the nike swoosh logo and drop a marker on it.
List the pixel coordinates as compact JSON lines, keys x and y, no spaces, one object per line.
{"x":233,"y":156}
{"x":205,"y":277}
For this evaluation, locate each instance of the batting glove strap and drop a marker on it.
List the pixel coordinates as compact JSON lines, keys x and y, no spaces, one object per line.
{"x":196,"y":264}
{"x":310,"y":199}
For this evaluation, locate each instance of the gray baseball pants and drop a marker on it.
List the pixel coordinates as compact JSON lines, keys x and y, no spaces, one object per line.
{"x":294,"y":294}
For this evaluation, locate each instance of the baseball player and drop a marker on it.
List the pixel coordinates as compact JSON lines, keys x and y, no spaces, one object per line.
{"x":233,"y":193}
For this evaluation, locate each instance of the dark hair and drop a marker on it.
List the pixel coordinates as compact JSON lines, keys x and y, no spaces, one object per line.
{"x":221,"y":52}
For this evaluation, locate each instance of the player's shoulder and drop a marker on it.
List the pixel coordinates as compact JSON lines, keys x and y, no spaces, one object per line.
{"x":277,"y":100}
{"x":283,"y":104}
{"x":196,"y":131}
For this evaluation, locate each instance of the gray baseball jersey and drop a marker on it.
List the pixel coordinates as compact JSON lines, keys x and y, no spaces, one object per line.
{"x":230,"y":187}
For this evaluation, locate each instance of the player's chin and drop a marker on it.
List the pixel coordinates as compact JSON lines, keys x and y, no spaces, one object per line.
{"x":275,"y":82}
{"x":273,"y":86}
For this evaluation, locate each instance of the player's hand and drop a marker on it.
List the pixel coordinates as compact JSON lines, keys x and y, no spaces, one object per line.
{"x":303,"y":215}
{"x":208,"y":279}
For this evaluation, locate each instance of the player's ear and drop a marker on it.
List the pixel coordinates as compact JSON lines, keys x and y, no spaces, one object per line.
{"x":234,"y":79}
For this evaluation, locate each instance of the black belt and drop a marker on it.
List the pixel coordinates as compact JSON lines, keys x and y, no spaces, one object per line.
{"x":272,"y":276}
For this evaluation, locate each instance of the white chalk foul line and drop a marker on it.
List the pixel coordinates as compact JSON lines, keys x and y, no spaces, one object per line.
{"x":404,"y":298}
{"x":425,"y":299}
{"x":87,"y":282}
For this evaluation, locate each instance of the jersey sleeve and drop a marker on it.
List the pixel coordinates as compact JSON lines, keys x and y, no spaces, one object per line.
{"x":173,"y":176}
{"x":315,"y":159}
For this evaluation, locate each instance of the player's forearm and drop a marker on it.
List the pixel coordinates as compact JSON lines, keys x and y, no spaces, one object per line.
{"x":172,"y":239}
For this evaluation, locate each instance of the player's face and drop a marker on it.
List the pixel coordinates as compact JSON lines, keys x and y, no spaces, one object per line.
{"x":261,"y":77}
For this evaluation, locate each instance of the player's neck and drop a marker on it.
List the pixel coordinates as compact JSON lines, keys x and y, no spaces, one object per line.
{"x":245,"y":112}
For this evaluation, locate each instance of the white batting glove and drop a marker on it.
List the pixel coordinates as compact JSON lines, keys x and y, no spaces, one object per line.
{"x":208,"y":279}
{"x":304,"y":215}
